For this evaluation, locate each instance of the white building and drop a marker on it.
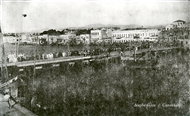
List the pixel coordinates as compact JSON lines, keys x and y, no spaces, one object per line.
{"x":179,"y":23}
{"x":96,"y":35}
{"x":104,"y":33}
{"x":109,"y":33}
{"x":64,"y":39}
{"x":170,"y":26}
{"x":9,"y":39}
{"x":134,"y":35}
{"x":176,"y":24}
{"x":23,"y":38}
{"x":100,"y":35}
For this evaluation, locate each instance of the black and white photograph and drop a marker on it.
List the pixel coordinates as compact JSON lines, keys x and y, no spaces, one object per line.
{"x":95,"y":58}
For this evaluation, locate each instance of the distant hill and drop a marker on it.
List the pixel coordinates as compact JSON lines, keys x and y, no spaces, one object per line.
{"x":156,"y":27}
{"x":98,"y":25}
{"x":111,"y":25}
{"x":95,"y":25}
{"x":123,"y":26}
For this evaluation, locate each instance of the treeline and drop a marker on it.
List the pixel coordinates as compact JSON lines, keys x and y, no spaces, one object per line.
{"x":64,"y":31}
{"x":77,"y":31}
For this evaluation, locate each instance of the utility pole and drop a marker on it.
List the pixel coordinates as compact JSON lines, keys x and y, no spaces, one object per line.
{"x":4,"y":71}
{"x":1,"y":55}
{"x":34,"y":75}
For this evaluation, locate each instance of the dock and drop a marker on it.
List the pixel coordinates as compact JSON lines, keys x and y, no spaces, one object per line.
{"x":48,"y":61}
{"x":76,"y":58}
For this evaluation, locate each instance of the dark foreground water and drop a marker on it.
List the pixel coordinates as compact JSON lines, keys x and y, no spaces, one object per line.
{"x":110,"y":88}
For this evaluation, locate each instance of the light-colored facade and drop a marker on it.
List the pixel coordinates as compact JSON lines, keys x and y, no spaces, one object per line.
{"x":104,"y":33}
{"x":64,"y":39}
{"x":52,"y":39}
{"x":170,"y":26}
{"x":9,"y":39}
{"x":176,"y":24}
{"x":24,"y":38}
{"x":96,"y":35}
{"x":100,"y":35}
{"x":179,"y":23}
{"x":135,"y":35}
{"x":109,"y":33}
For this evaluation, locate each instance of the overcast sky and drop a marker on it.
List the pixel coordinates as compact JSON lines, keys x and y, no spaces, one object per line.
{"x":46,"y":15}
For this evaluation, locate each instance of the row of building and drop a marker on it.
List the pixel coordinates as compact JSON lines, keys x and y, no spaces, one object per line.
{"x":96,"y":36}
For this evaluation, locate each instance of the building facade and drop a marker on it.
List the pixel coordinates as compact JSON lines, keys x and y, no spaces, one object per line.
{"x":179,"y":23}
{"x":102,"y":35}
{"x":169,"y":27}
{"x":96,"y":35}
{"x":176,"y":24}
{"x":10,"y":39}
{"x":135,"y":35}
{"x":64,"y":39}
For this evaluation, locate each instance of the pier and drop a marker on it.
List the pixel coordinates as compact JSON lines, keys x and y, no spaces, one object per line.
{"x":75,"y":58}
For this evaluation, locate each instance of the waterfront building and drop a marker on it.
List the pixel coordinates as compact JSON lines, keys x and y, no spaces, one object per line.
{"x":179,"y":23}
{"x":96,"y":35}
{"x":135,"y":35}
{"x":63,"y":39}
{"x":103,"y":35}
{"x":9,"y":39}
{"x":176,"y":24}
{"x":22,"y":38}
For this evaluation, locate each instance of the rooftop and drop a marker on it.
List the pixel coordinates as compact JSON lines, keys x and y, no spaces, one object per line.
{"x":179,"y":21}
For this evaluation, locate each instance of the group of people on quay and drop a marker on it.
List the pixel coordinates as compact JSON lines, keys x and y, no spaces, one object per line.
{"x":12,"y":58}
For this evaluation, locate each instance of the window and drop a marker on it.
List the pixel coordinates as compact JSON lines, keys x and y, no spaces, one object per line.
{"x":186,"y":42}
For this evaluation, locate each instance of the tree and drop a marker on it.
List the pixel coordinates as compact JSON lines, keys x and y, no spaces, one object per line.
{"x":73,"y":42}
